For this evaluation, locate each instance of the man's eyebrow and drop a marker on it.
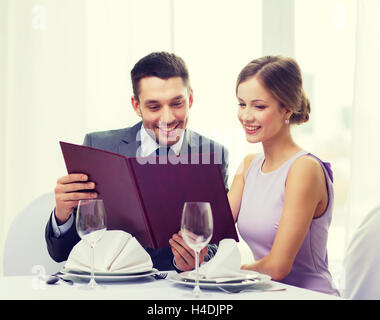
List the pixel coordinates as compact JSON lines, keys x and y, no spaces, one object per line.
{"x":151,"y":101}
{"x":177,"y":97}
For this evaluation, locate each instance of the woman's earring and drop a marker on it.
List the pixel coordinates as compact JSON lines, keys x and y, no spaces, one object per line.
{"x":286,"y":121}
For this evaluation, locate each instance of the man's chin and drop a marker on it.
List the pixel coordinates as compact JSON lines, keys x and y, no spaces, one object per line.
{"x":168,"y":141}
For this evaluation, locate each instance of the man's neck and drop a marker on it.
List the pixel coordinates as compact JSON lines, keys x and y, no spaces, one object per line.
{"x":149,"y":145}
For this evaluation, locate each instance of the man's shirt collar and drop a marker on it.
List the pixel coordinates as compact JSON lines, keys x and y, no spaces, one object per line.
{"x":149,"y":145}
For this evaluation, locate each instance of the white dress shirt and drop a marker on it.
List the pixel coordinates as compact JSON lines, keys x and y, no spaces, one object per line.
{"x":149,"y":145}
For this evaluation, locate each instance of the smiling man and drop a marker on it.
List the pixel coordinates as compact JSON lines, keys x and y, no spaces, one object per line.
{"x":162,"y":98}
{"x":163,"y":101}
{"x":163,"y":105}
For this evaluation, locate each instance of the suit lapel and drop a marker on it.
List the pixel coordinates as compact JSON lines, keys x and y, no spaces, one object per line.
{"x":130,"y":142}
{"x":191,"y":142}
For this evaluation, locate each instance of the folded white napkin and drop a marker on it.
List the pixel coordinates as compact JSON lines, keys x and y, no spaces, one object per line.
{"x":116,"y":252}
{"x":225,"y":264}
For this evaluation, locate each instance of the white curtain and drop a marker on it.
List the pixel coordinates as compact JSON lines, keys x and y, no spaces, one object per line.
{"x":64,"y":71}
{"x":3,"y":54}
{"x":365,"y":155}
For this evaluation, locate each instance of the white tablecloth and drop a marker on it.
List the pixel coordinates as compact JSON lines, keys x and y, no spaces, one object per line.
{"x":32,"y":288}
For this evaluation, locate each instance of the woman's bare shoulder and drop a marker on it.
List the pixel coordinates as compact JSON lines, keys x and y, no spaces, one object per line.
{"x":247,"y":162}
{"x":307,"y":167}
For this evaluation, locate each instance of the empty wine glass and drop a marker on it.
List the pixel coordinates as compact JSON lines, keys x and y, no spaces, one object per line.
{"x":91,"y":226}
{"x":197,"y":229}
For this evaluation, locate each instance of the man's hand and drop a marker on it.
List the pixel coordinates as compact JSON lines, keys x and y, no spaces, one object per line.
{"x":67,"y":196}
{"x":184,"y":256}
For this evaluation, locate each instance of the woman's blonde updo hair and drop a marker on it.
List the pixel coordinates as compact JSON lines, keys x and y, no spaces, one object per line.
{"x":282,"y":77}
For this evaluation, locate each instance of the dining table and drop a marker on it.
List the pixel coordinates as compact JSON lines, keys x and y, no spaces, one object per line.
{"x":157,"y":296}
{"x":34,"y":287}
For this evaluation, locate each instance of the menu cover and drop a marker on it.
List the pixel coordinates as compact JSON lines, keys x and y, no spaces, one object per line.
{"x":145,"y":196}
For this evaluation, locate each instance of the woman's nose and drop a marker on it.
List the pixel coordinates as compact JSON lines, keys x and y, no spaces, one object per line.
{"x":246,"y":114}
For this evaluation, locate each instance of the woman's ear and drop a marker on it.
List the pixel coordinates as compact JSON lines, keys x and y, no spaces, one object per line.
{"x":288,"y":113}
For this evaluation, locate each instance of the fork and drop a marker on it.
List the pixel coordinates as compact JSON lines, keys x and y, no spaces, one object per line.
{"x":54,"y":278}
{"x":159,"y":276}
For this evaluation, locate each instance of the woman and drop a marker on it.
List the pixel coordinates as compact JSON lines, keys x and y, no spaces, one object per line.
{"x":282,"y":200}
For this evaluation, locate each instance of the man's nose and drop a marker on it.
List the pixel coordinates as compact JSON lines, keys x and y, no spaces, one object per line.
{"x":167,"y":115}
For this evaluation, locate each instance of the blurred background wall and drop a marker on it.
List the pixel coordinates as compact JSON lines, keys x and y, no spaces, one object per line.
{"x":64,"y":71}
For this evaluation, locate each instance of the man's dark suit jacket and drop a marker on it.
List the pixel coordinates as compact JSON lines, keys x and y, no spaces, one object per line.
{"x":126,"y":142}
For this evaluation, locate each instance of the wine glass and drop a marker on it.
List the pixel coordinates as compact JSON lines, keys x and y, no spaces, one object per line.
{"x":196,"y":229}
{"x":91,"y":226}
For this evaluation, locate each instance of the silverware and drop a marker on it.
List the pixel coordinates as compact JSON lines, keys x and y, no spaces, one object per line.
{"x":54,"y":278}
{"x":159,"y":276}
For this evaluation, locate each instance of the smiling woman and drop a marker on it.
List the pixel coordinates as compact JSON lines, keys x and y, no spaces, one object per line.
{"x":267,"y":88}
{"x":281,"y":199}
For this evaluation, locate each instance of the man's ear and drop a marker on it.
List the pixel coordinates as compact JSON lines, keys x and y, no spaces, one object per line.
{"x":136,"y":106}
{"x":191,"y":97}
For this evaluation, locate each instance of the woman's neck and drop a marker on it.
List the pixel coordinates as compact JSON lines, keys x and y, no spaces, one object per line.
{"x":277,"y":151}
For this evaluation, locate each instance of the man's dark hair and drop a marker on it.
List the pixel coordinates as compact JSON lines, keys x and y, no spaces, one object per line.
{"x":163,"y":65}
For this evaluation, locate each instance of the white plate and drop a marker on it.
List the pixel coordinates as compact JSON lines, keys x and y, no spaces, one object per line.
{"x":109,"y":277}
{"x":242,"y":275}
{"x":249,"y":278}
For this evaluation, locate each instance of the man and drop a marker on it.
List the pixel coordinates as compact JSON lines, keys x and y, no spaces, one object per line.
{"x":162,"y":98}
